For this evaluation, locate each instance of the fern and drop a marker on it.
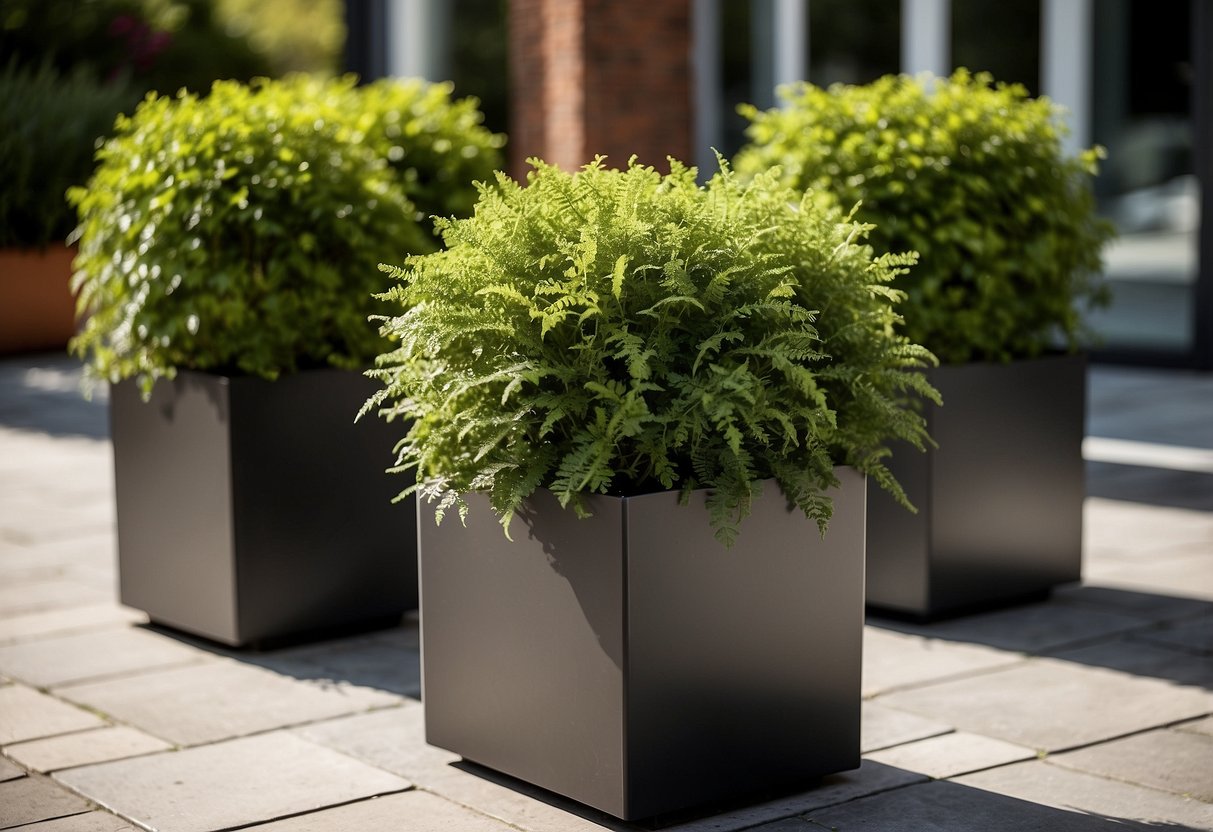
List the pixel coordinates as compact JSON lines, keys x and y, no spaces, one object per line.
{"x":620,"y":332}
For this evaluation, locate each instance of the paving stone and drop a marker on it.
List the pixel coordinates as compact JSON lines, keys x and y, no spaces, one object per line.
{"x":1198,"y":726}
{"x":1029,"y":629}
{"x":220,"y":699}
{"x":232,"y":783}
{"x":870,"y":778}
{"x":894,"y":660}
{"x":414,"y":811}
{"x":949,"y":807}
{"x":1041,"y":782}
{"x":114,"y":742}
{"x":74,"y":619}
{"x":9,"y":771}
{"x":882,"y":727}
{"x":1185,"y":575}
{"x":35,"y":798}
{"x":27,"y":714}
{"x":24,"y":597}
{"x":366,"y":661}
{"x":1194,"y":635}
{"x":952,"y":754}
{"x":1054,"y":705}
{"x":1142,"y":658}
{"x":392,"y":739}
{"x":88,"y":822}
{"x":1148,"y":605}
{"x":60,"y":660}
{"x":1124,"y":530}
{"x":1175,"y":761}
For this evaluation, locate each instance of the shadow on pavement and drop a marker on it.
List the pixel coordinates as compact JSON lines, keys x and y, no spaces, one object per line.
{"x":41,"y":393}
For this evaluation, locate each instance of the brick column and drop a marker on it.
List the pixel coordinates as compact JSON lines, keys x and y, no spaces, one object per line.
{"x":609,"y":77}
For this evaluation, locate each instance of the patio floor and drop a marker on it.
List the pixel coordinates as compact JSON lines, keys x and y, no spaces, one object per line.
{"x":1092,"y":710}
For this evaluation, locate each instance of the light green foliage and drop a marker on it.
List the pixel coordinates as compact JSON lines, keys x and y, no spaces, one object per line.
{"x":969,"y":174}
{"x":48,"y":126}
{"x":624,"y":332}
{"x":438,"y":146}
{"x":242,"y":231}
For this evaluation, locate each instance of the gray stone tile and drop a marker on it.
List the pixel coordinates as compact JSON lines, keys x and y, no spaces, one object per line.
{"x":88,"y":822}
{"x":369,"y":661}
{"x":241,"y":781}
{"x":1175,"y":761}
{"x":60,"y":660}
{"x":71,"y":620}
{"x":221,"y":698}
{"x":870,"y":778}
{"x":100,"y":745}
{"x":27,"y":714}
{"x":1148,"y":605}
{"x":9,"y":771}
{"x":1044,"y":783}
{"x":1029,"y":629}
{"x":952,"y":754}
{"x":882,"y":727}
{"x":893,"y":660}
{"x":35,"y":798}
{"x":1198,"y":726}
{"x":949,"y":807}
{"x":392,"y":739}
{"x":414,"y":811}
{"x":1194,"y":635}
{"x":1054,"y":705}
{"x":1120,"y":530}
{"x":24,"y":597}
{"x":1185,"y":575}
{"x":1142,"y":658}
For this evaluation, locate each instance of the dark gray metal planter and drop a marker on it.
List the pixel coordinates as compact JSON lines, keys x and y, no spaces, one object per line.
{"x":251,"y":512}
{"x":999,"y":501}
{"x":630,"y":662}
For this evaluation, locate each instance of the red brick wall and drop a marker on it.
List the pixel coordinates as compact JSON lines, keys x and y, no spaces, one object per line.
{"x":609,"y":77}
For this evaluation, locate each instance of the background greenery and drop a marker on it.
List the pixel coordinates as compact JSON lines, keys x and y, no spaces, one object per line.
{"x":971,"y":175}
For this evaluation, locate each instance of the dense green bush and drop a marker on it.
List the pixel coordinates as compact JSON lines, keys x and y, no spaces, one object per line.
{"x":240,"y":231}
{"x":622,"y":332}
{"x":437,"y":145}
{"x":973,"y":177}
{"x":48,"y":129}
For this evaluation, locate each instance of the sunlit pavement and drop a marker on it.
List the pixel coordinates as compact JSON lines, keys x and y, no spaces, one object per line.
{"x":1092,"y":710}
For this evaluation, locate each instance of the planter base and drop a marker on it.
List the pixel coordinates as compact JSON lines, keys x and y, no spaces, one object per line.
{"x":999,"y":501}
{"x":257,"y":513}
{"x":630,"y":662}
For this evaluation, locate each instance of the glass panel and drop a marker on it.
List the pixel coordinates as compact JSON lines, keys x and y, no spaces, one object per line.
{"x":1142,"y":115}
{"x":853,"y":41}
{"x":1001,"y":37}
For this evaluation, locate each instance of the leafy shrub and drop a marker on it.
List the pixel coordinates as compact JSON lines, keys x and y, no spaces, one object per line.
{"x":48,"y":129}
{"x":623,"y":332}
{"x":237,"y":232}
{"x":970,"y":175}
{"x":437,"y":145}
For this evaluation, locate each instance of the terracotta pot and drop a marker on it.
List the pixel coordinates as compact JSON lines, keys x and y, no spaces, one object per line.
{"x":37,"y":311}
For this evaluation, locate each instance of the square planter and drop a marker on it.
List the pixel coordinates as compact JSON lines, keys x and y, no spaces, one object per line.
{"x":251,"y":512}
{"x":37,"y":310}
{"x":999,"y":501}
{"x":630,"y":662}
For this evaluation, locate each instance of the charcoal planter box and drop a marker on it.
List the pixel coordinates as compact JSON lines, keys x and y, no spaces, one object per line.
{"x":253,"y":512}
{"x":630,"y":662}
{"x":999,"y":501}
